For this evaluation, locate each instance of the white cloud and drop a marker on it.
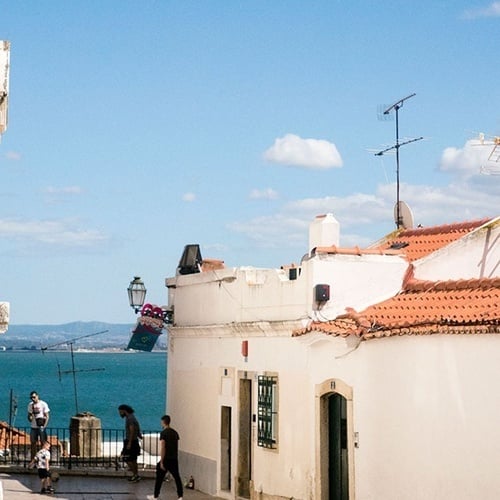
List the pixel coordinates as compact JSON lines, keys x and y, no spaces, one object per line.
{"x":263,"y":194}
{"x":188,"y":197}
{"x":13,"y":155}
{"x":272,"y":230}
{"x":63,"y":190}
{"x":52,"y":232}
{"x":216,"y":248}
{"x":355,"y":209}
{"x":309,"y":153}
{"x":466,"y":161}
{"x":492,"y":10}
{"x":55,"y":195}
{"x":366,"y":217}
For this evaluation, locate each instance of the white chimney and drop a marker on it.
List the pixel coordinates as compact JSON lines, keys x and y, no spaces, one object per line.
{"x":324,"y":231}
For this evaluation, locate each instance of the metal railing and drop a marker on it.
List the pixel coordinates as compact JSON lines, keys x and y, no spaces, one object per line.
{"x":77,"y":448}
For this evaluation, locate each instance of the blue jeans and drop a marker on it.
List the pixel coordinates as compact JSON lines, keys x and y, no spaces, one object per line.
{"x":35,"y":433}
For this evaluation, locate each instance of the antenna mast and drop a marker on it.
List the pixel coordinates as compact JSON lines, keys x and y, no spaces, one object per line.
{"x":396,"y":107}
{"x":73,"y":370}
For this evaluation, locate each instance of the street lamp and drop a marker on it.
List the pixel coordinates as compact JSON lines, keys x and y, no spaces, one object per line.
{"x":151,"y":321}
{"x":136,"y":293}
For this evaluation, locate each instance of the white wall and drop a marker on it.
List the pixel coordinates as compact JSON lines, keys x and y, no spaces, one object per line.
{"x":477,"y":255}
{"x":427,"y":413}
{"x":355,"y":281}
{"x":196,"y":365}
{"x":249,"y":294}
{"x":425,"y":408}
{"x":236,"y":294}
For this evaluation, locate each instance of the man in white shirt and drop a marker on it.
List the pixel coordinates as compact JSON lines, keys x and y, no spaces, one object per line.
{"x":38,"y":415}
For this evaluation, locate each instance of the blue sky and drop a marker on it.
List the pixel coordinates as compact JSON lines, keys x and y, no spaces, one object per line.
{"x":137,"y":127}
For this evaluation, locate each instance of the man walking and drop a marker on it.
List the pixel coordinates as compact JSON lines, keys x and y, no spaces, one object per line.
{"x":169,"y":446}
{"x":38,"y":415}
{"x":131,"y":447}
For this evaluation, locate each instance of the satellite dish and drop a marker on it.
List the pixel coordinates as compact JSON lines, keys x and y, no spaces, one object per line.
{"x":403,"y":216}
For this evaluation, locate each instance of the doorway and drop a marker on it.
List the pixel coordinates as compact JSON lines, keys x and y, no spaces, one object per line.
{"x":338,"y":466}
{"x":225,"y":448}
{"x":335,"y":441}
{"x":244,"y":473}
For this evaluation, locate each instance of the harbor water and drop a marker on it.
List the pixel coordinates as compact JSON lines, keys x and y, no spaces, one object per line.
{"x":95,"y":382}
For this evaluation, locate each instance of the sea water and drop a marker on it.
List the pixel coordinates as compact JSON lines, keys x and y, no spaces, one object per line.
{"x":95,"y":382}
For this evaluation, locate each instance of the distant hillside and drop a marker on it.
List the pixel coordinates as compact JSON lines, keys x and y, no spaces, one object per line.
{"x":82,"y":334}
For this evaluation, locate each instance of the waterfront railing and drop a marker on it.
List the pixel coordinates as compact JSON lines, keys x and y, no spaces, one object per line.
{"x":77,"y":449}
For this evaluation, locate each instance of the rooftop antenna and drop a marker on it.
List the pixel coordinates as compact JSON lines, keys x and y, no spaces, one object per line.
{"x":73,"y":370}
{"x":491,"y":165}
{"x":396,"y":107}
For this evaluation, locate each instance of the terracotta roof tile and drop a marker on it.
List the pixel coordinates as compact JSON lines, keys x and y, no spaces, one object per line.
{"x":412,"y":243}
{"x":211,"y":265}
{"x":420,"y":242}
{"x":423,"y":307}
{"x":11,"y":436}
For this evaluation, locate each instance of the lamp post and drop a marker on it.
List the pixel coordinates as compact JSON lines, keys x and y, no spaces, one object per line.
{"x":137,"y":296}
{"x":152,"y":319}
{"x":136,"y":293}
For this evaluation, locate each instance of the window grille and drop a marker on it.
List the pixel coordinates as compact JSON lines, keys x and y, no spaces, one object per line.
{"x":267,"y":411}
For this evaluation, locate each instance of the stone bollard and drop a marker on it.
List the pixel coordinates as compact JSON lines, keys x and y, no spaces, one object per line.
{"x":85,"y":435}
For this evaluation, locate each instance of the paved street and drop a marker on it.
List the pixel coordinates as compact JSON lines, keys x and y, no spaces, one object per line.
{"x":73,"y":487}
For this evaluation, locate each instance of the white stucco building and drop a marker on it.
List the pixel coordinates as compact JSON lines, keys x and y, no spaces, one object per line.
{"x":4,"y":100}
{"x":357,"y":374}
